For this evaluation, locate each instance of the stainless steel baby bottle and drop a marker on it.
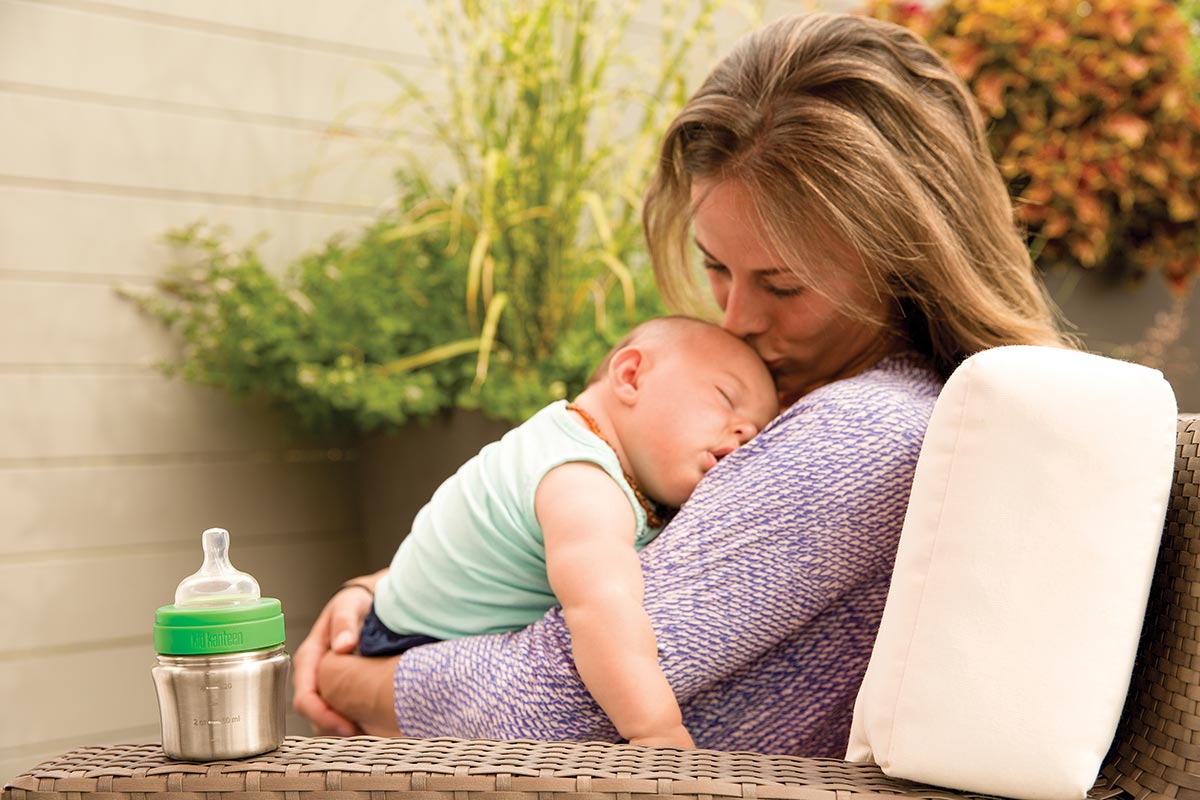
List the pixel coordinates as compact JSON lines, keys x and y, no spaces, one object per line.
{"x":222,"y":668}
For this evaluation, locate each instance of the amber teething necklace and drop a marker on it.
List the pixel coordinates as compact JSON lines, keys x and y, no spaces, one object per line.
{"x":653,"y":518}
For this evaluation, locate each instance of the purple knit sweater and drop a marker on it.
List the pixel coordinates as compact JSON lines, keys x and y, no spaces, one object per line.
{"x":765,"y":591}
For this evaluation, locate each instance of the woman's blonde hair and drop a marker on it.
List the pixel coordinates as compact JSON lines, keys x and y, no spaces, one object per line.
{"x":855,"y":127}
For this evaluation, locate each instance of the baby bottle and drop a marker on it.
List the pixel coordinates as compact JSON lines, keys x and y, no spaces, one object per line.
{"x":221,"y":669}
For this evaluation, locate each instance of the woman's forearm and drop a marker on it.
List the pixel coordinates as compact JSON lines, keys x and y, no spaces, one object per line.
{"x":520,"y":685}
{"x":360,"y":689}
{"x":368,"y":582}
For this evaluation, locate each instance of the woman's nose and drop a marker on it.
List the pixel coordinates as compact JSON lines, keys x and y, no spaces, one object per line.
{"x":744,"y":315}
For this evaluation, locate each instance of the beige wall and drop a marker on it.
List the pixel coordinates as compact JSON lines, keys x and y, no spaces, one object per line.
{"x":120,"y":119}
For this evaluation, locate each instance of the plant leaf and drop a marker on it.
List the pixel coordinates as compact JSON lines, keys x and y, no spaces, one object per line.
{"x":488,"y":337}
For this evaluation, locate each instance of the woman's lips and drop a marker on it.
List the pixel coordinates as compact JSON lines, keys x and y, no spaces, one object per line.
{"x":772,"y":362}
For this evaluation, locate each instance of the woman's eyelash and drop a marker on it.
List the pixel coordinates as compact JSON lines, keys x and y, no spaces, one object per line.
{"x":786,"y":292}
{"x":777,"y":291}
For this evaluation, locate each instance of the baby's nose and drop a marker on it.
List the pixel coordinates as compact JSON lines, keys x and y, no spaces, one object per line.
{"x":745,"y":430}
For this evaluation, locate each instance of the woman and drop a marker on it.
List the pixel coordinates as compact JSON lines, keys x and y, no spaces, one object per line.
{"x":854,"y":229}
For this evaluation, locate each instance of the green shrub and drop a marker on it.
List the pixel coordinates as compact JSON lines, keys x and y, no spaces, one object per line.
{"x":357,"y":336}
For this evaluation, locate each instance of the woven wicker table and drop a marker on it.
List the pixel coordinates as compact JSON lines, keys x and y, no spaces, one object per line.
{"x":1155,"y":755}
{"x":368,"y":768}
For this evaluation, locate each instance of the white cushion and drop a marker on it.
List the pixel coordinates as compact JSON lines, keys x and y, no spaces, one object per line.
{"x":1021,"y":579}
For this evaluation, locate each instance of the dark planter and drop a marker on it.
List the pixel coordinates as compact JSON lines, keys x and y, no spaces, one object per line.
{"x":1144,"y":322}
{"x":398,"y":473}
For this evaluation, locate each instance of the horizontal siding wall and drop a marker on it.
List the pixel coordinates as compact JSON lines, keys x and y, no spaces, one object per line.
{"x":123,"y":120}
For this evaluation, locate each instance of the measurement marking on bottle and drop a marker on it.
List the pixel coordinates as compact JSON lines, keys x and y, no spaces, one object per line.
{"x":221,"y":721}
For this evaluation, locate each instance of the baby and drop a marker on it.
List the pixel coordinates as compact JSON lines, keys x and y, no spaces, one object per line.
{"x":556,"y":510}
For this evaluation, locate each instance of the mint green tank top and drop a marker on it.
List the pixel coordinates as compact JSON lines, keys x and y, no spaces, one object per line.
{"x":475,"y":561}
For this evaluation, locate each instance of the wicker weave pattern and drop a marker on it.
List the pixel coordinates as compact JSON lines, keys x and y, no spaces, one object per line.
{"x":1157,"y":748}
{"x":456,"y":769}
{"x":1156,"y":752}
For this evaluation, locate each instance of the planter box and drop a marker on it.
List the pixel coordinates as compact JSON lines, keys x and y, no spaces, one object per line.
{"x":398,"y":473}
{"x":1144,"y":323}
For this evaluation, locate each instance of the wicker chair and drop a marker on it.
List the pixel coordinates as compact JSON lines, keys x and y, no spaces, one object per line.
{"x":1156,"y":753}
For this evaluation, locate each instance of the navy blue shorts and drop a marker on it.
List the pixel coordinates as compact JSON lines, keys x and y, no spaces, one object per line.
{"x":376,"y":639}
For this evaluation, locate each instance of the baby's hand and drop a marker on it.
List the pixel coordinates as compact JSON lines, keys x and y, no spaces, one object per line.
{"x":675,"y":737}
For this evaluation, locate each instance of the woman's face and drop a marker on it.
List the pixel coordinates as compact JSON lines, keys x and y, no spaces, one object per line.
{"x":805,"y":340}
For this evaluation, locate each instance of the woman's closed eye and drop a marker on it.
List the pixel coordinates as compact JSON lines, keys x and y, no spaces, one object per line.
{"x":778,"y":290}
{"x":785,"y":291}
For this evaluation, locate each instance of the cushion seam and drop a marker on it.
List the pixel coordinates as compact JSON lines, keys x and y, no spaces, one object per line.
{"x":925,"y":584}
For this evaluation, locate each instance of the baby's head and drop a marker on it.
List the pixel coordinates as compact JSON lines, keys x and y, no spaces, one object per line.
{"x":681,"y":395}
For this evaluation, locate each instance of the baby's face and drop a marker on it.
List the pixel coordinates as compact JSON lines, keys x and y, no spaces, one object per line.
{"x":699,"y":403}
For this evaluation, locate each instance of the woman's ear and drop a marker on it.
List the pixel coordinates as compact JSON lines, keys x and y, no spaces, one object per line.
{"x":625,"y":373}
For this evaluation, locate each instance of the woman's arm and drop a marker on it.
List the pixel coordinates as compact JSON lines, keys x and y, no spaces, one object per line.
{"x":335,"y":631}
{"x":360,"y":689}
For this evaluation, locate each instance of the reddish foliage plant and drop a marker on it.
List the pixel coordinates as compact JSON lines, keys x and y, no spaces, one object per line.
{"x":1094,"y":118}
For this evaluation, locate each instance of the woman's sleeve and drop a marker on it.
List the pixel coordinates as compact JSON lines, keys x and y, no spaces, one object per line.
{"x":783,"y":527}
{"x":520,"y":685}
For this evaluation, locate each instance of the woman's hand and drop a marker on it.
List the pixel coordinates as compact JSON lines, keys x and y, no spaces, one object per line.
{"x":335,"y":631}
{"x":361,"y":689}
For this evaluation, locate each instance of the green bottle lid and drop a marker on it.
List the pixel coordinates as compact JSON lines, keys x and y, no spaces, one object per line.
{"x":199,"y":630}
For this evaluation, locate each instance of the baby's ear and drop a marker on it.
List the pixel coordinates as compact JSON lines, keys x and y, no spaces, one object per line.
{"x":625,"y":373}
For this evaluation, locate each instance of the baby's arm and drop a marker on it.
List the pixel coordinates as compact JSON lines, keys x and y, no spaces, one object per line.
{"x":588,"y":528}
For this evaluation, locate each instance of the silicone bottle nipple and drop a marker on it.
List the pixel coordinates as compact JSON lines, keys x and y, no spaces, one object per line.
{"x":217,"y":583}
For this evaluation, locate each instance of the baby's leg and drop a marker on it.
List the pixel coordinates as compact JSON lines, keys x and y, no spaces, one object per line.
{"x":377,"y":639}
